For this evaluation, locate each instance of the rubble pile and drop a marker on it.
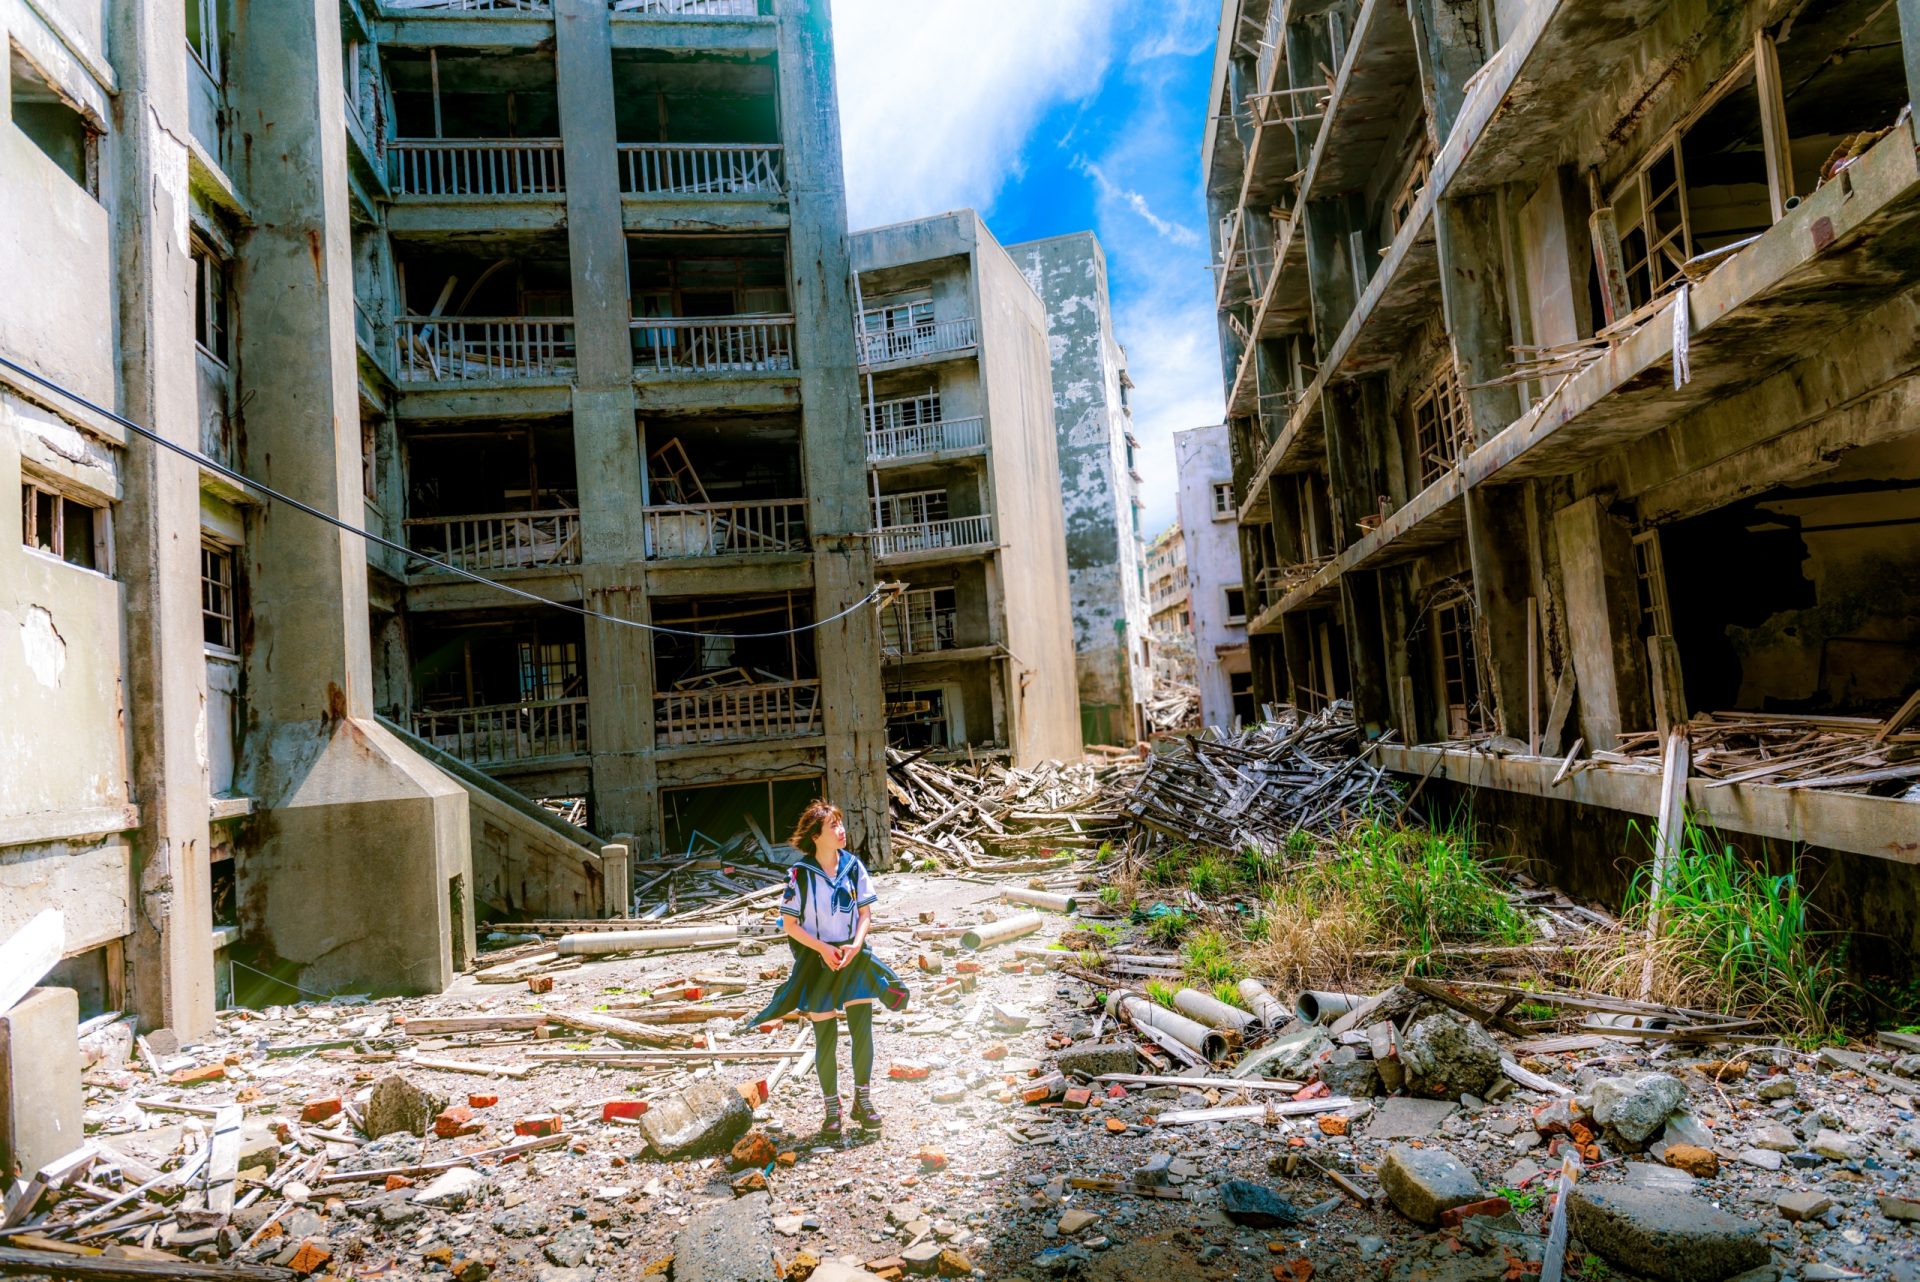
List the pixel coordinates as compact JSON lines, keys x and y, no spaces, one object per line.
{"x":996,"y":818}
{"x":1175,"y":706}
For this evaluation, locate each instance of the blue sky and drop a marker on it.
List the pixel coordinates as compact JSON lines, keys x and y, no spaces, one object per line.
{"x":1051,"y":116}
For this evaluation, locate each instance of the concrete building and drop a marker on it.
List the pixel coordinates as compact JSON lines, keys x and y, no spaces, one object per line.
{"x":1210,"y":525}
{"x":1170,"y":608}
{"x":239,"y":734}
{"x":1696,"y":223}
{"x":1100,"y":485}
{"x":965,"y":492}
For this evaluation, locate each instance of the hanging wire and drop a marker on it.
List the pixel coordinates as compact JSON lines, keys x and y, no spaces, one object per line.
{"x":378,"y":540}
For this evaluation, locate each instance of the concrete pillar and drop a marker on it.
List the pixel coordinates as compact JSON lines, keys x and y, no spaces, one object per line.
{"x":1498,"y":548}
{"x":1369,"y":650}
{"x":157,"y":526}
{"x":1450,"y":47}
{"x":833,"y":443}
{"x":1603,"y":615}
{"x":40,"y":1096}
{"x":357,"y":873}
{"x":1910,"y":53}
{"x":1471,"y":232}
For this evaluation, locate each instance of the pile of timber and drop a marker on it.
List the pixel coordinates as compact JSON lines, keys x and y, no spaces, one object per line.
{"x":1175,"y":705}
{"x":996,"y":818}
{"x":1838,"y":754}
{"x":1255,"y":787}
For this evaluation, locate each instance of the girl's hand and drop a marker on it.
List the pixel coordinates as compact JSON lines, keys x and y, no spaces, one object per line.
{"x":832,"y":955}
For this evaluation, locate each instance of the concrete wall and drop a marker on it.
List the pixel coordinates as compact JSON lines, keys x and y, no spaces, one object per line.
{"x":1213,"y":564}
{"x":1105,"y":551}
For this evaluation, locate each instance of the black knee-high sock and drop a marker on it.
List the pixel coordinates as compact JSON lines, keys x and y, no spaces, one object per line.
{"x":860,"y":1025}
{"x":826,"y":1050}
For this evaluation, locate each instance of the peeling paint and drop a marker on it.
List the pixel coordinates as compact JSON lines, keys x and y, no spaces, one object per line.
{"x":46,"y":649}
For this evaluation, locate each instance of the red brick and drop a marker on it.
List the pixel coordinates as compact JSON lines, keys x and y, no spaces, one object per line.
{"x":932,"y":1159}
{"x":319,"y":1110}
{"x":966,"y":968}
{"x":1116,"y":1091}
{"x":996,"y":1051}
{"x":195,"y":1076}
{"x":539,"y":983}
{"x":1115,"y":1126}
{"x":754,"y":1092}
{"x":1333,"y":1124}
{"x":753,"y":1149}
{"x":1313,"y":1091}
{"x":540,"y":1124}
{"x":622,"y":1108}
{"x":1077,"y":1097}
{"x":455,"y":1122}
{"x":482,"y":1101}
{"x":1454,"y":1217}
{"x":398,"y":1182}
{"x":907,"y":1070}
{"x":310,"y":1258}
{"x":751,"y":1182}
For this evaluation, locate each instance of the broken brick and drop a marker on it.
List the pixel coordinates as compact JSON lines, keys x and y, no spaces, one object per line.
{"x":1315,"y":1091}
{"x":966,"y":968}
{"x":539,"y":983}
{"x":908,"y":1070}
{"x":754,"y":1092}
{"x":788,"y":1158}
{"x":1116,"y":1091}
{"x":751,"y":1182}
{"x":998,"y":1050}
{"x":455,"y":1122}
{"x":1298,"y":1269}
{"x":398,"y":1182}
{"x":1453,"y":1217}
{"x":1077,"y":1097}
{"x":195,"y":1076}
{"x":1701,"y":1163}
{"x":319,"y":1110}
{"x":1115,"y":1126}
{"x":932,"y":1159}
{"x":753,"y":1149}
{"x":482,"y":1101}
{"x":628,"y":1108}
{"x":310,"y":1258}
{"x":540,"y":1124}
{"x":1040,"y":1092}
{"x":1333,"y":1124}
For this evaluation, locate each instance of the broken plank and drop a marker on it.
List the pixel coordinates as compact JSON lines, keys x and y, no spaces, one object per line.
{"x":515,"y":1071}
{"x":224,"y":1164}
{"x":1532,"y":1080}
{"x":1087,"y":1185}
{"x":624,"y":1029}
{"x":424,"y":1026}
{"x":1244,"y":1112}
{"x":1200,"y":1083}
{"x":100,"y":1268}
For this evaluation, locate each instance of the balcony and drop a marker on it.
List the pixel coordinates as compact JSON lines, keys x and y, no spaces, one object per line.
{"x":512,"y":7}
{"x":912,"y":440}
{"x":921,"y":338}
{"x":921,"y":632}
{"x":758,"y":528}
{"x":736,"y":714}
{"x":933,"y":536}
{"x":499,"y":540}
{"x":504,"y":734}
{"x":476,"y":168}
{"x":687,"y":8}
{"x":467,"y":349}
{"x":668,"y":345}
{"x":700,"y":169}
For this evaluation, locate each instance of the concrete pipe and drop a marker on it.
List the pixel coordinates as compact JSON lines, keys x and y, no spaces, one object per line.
{"x":1209,"y":1042}
{"x":1040,"y":899}
{"x":1213,"y":1012}
{"x":1314,"y":1007}
{"x":1266,"y":1008}
{"x":1040,"y":954}
{"x":999,"y":932}
{"x":589,"y":943}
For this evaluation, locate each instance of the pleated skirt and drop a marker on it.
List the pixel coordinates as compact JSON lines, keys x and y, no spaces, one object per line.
{"x":813,"y":988}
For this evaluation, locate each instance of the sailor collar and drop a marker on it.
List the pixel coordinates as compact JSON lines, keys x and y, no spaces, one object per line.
{"x":840,"y":873}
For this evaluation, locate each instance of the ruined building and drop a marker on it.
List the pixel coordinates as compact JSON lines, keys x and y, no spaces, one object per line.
{"x":557,"y":293}
{"x":1209,"y":517}
{"x":1100,"y":485}
{"x":1170,"y":607}
{"x":965,"y":493}
{"x":1570,"y":354}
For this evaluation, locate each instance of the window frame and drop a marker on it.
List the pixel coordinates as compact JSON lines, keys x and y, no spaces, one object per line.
{"x":220,"y":553}
{"x":1442,"y":430}
{"x":212,"y":334}
{"x":1228,"y":510}
{"x":1227,"y":591}
{"x":60,"y":498}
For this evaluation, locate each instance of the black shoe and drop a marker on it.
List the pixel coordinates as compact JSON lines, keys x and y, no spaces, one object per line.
{"x":864,"y":1114}
{"x":831,"y":1131}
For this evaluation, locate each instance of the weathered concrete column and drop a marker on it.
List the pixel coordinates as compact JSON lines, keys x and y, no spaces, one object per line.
{"x":1498,"y":547}
{"x":833,"y":442}
{"x":1450,"y":46}
{"x":1473,"y":290}
{"x":157,"y":526}
{"x":1369,"y":650}
{"x":1603,"y":610}
{"x":1910,"y":54}
{"x":357,"y":872}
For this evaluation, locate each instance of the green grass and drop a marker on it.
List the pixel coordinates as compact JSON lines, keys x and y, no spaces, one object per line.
{"x":1208,"y":876}
{"x":1229,"y":992}
{"x":1206,"y":957}
{"x":1110,"y":896}
{"x":1424,"y":886}
{"x":1518,"y":1199}
{"x":1161,"y":992}
{"x":1169,"y":928}
{"x":1165,"y":870}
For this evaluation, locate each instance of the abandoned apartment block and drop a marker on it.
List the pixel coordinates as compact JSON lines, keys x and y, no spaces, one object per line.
{"x":517,"y":287}
{"x":967,"y":519}
{"x":1569,"y":361}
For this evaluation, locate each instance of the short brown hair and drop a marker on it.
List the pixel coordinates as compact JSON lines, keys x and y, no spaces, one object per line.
{"x":813,"y":821}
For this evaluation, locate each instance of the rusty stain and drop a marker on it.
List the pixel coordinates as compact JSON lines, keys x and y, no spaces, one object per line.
{"x":313,"y":249}
{"x":1822,"y":234}
{"x":336,"y":703}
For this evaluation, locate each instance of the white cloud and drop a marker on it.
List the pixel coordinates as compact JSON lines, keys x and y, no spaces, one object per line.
{"x":1137,"y":203}
{"x":939,"y":97}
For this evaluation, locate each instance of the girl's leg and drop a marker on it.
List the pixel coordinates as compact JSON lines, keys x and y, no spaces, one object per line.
{"x":860,"y":1025}
{"x":826,"y":1044}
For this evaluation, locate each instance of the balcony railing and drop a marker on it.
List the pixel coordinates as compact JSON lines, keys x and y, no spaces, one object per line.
{"x":736,"y":714}
{"x":1275,"y":581}
{"x":923,"y":634}
{"x":923,"y":339}
{"x":499,"y":540}
{"x":503,"y":733}
{"x":700,"y":169}
{"x":441,"y":349}
{"x":762,"y":527}
{"x":470,"y":6}
{"x":476,"y":168}
{"x":688,"y":8}
{"x":929,"y":536}
{"x":712,"y":344}
{"x":925,"y":438}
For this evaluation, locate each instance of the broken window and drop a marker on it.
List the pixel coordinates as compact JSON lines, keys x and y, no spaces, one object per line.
{"x":915,"y":507}
{"x":1459,"y":666}
{"x":477,"y":94}
{"x":920,"y":621}
{"x":1240,"y":688}
{"x":217,"y":614}
{"x":211,"y":323}
{"x":207,"y":35}
{"x":898,"y":328}
{"x":905,"y":411}
{"x":1400,"y":208}
{"x":1650,"y":576}
{"x":1843,"y":83}
{"x":919,"y":719}
{"x":54,"y":124}
{"x":1236,"y":605}
{"x":62,"y":526}
{"x":1442,"y":432}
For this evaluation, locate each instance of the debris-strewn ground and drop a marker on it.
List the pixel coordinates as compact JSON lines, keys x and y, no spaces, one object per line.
{"x":1698,"y":1163}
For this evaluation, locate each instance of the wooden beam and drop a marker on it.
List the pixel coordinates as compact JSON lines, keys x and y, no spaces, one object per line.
{"x":1773,"y":123}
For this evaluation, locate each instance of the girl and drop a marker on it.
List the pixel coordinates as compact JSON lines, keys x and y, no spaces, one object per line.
{"x":826,"y":911}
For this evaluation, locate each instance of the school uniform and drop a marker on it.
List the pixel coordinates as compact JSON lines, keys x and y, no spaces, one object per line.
{"x":828,"y":908}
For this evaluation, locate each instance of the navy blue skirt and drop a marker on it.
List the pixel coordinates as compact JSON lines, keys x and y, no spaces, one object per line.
{"x":815,"y":989}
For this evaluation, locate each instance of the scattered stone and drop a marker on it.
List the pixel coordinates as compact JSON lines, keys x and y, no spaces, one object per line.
{"x":1289,"y":1055}
{"x":451,"y":1188}
{"x":1836,"y":1147}
{"x":1672,"y":1237}
{"x":1445,"y":1057}
{"x":1775,"y":1088}
{"x":570,"y":1247}
{"x":394,"y":1150}
{"x":1805,"y":1205}
{"x":1256,"y":1206}
{"x":1423,"y":1182}
{"x":788,"y":1225}
{"x":1765,"y":1158}
{"x":1074,"y":1220}
{"x":706,"y":1118}
{"x":1776,"y":1137}
{"x":726,"y":1241}
{"x":1154,"y":1174}
{"x":1701,"y":1163}
{"x":1401,"y":1118}
{"x":754,"y":1181}
{"x":1097,"y":1058}
{"x":1895,"y":1207}
{"x":1346,"y":1073}
{"x":838,"y":1271}
{"x":1634,"y":1107}
{"x":397,"y":1105}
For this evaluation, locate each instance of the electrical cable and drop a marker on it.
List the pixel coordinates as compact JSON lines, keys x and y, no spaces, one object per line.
{"x":379,"y":540}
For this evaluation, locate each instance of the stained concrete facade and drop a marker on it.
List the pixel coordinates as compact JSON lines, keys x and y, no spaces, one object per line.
{"x":1170,"y":608}
{"x":1209,"y":522}
{"x":1467,"y":548}
{"x":1100,"y":484}
{"x":965,"y":490}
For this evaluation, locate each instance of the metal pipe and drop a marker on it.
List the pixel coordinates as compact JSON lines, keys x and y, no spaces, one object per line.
{"x":990,"y":933}
{"x":1210,"y":1042}
{"x":1039,"y":899}
{"x":1213,"y":1012}
{"x":1266,"y":1008}
{"x":1313,"y":1006}
{"x":593,"y":942}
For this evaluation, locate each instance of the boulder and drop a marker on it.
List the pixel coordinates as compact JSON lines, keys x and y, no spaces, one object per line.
{"x":706,"y":1118}
{"x":1256,"y":1206}
{"x":1635,"y":1107}
{"x":1095,"y":1058}
{"x":726,"y":1241}
{"x":1445,"y":1057}
{"x":1672,"y":1237}
{"x":397,"y":1105}
{"x":1423,"y":1182}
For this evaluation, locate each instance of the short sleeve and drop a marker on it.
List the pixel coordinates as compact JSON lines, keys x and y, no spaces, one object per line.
{"x":863,"y":892}
{"x":790,"y":902}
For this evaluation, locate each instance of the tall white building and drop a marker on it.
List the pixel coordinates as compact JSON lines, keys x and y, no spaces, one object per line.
{"x":1215,"y":588}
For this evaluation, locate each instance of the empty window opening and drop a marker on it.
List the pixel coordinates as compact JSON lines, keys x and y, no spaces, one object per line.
{"x":721,"y":657}
{"x":63,"y":526}
{"x":719,"y":459}
{"x":922,"y":620}
{"x":667,"y":97}
{"x":1240,"y":690}
{"x":207,"y":36}
{"x":920,"y":719}
{"x":1442,"y":432}
{"x":1843,"y":81}
{"x":212,"y":321}
{"x":498,"y":499}
{"x":1236,"y":605}
{"x":1458,"y":661}
{"x":677,"y":276}
{"x":218,"y":616}
{"x":499,"y":692}
{"x":473,"y":95}
{"x":698,"y":820}
{"x":54,"y":124}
